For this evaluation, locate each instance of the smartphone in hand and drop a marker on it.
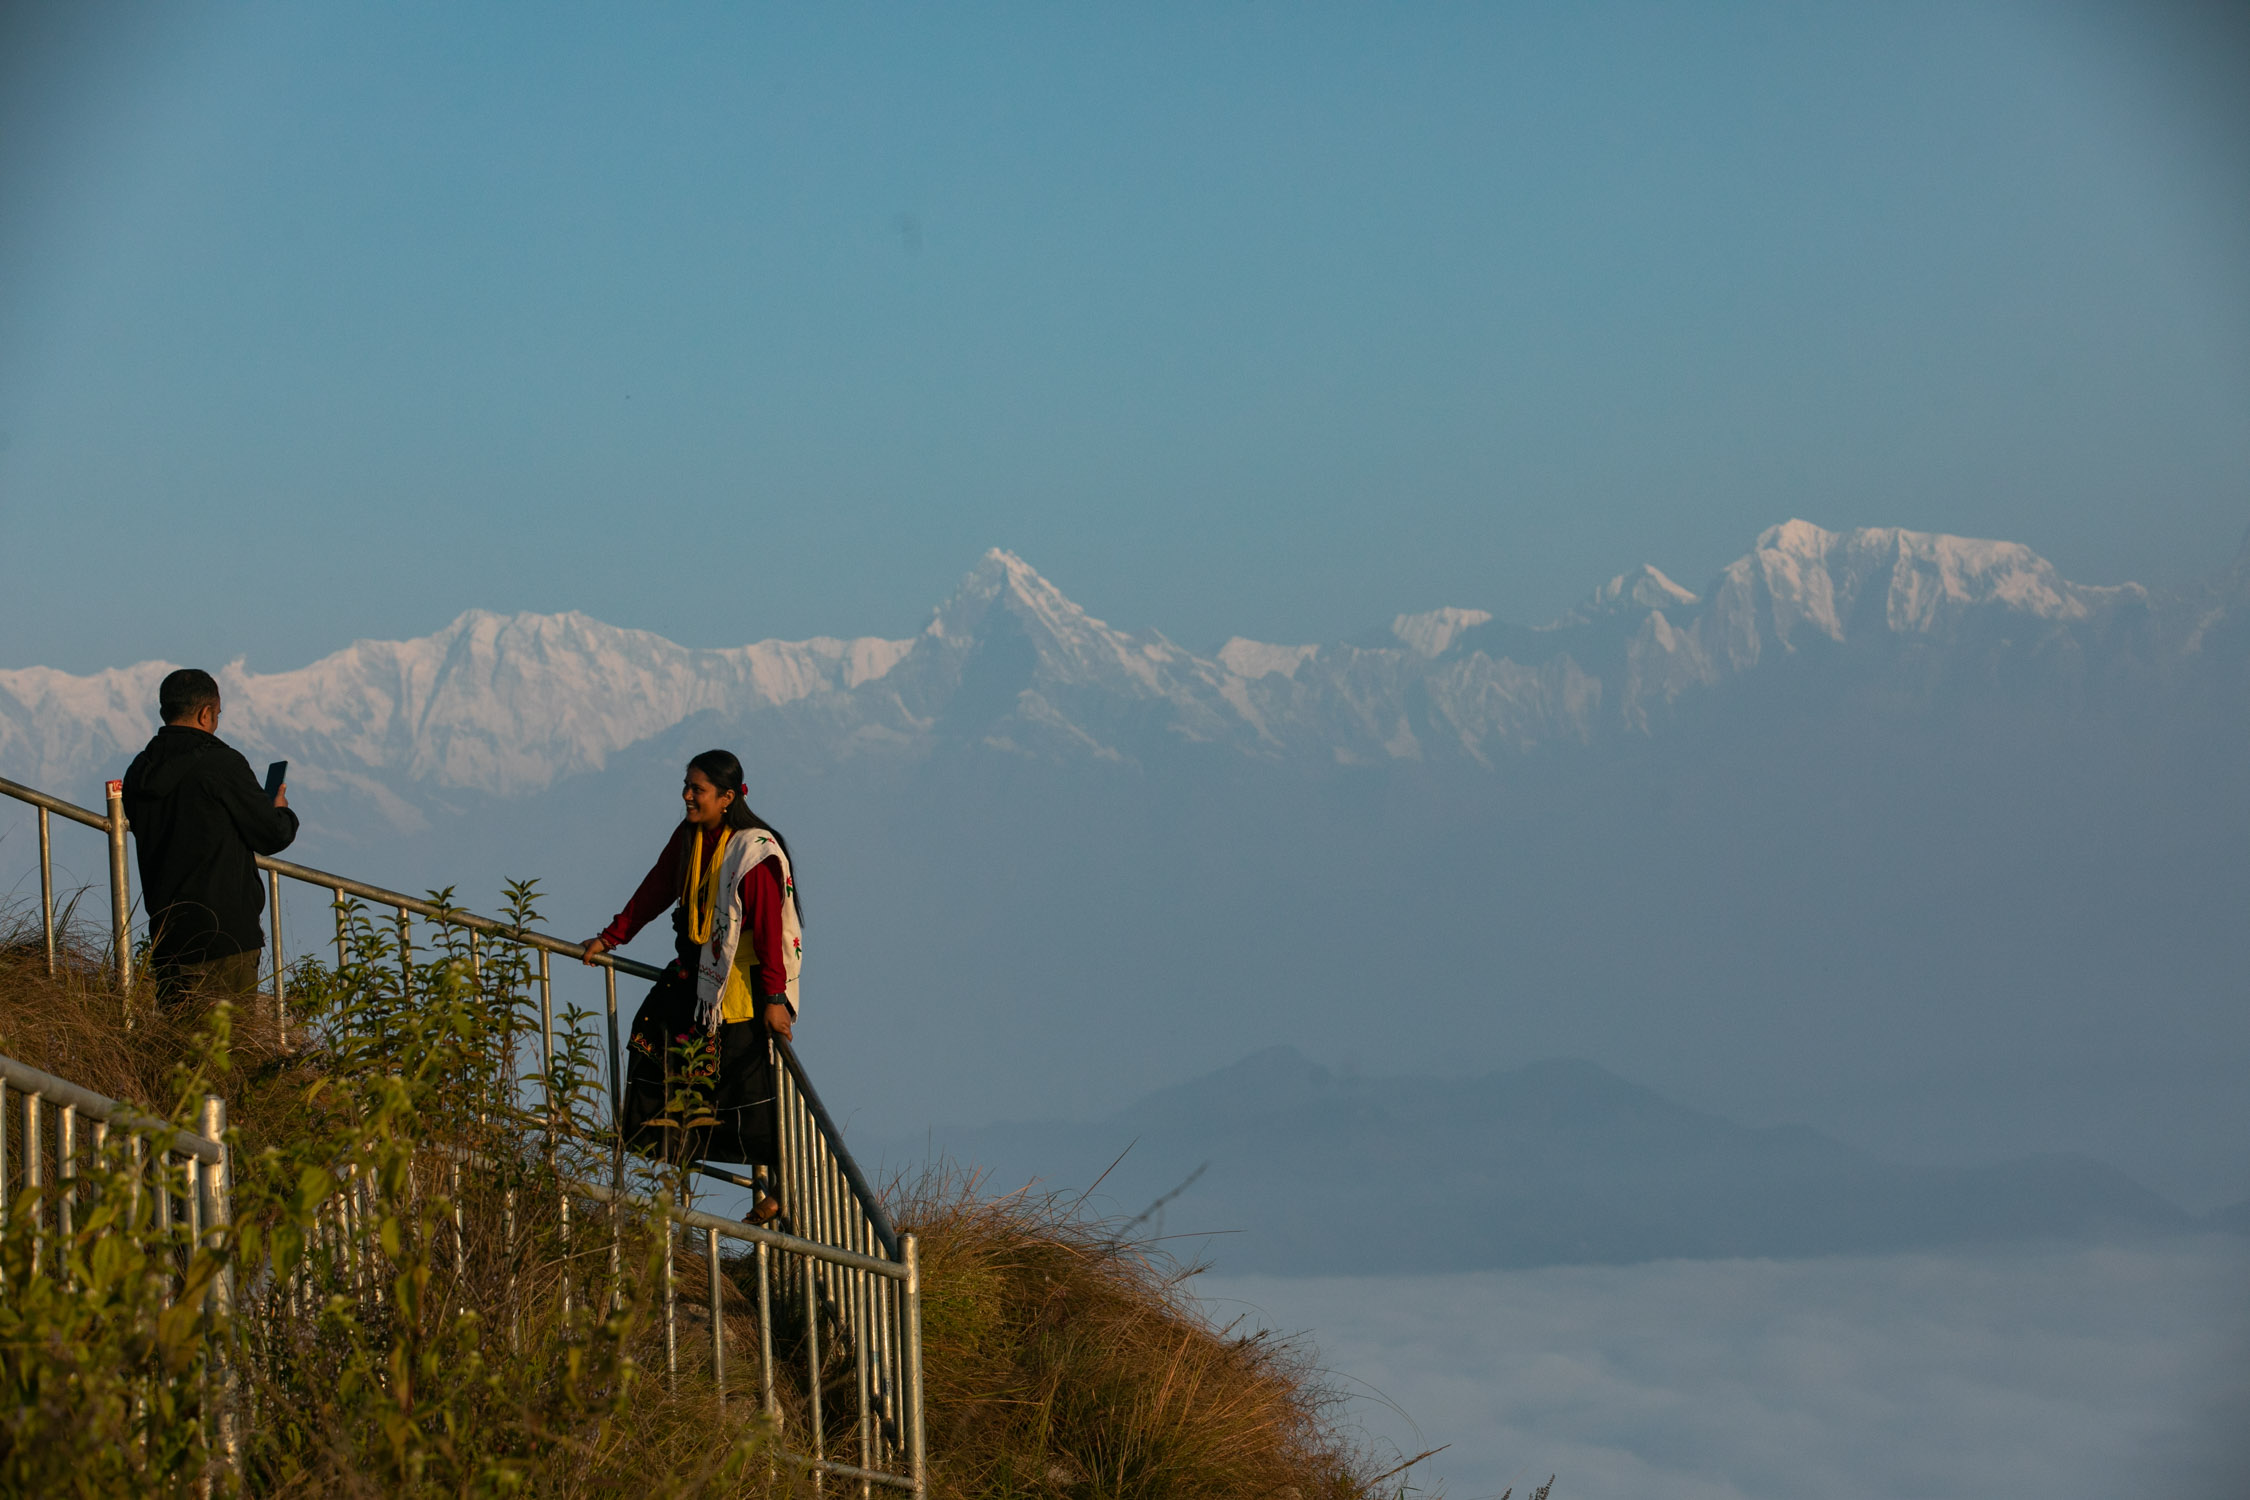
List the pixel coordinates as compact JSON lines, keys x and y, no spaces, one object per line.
{"x":276,"y":774}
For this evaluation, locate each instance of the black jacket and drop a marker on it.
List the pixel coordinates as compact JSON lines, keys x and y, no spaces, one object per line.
{"x":199,"y":818}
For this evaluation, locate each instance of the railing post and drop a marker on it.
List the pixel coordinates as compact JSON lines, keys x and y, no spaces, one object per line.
{"x":280,"y":999}
{"x":569,"y":1297}
{"x":671,"y":1315}
{"x":856,"y":1283}
{"x":812,"y":1366}
{"x":718,"y":1318}
{"x":405,"y":958}
{"x":47,"y":889}
{"x":547,"y":1044}
{"x":338,"y":908}
{"x":616,"y":1077}
{"x":120,"y":898}
{"x":214,"y":1189}
{"x":508,"y":1233}
{"x":917,"y":1454}
{"x":34,"y":1160}
{"x":766,"y":1401}
{"x":66,"y":1181}
{"x":212,"y":1192}
{"x":617,"y":1149}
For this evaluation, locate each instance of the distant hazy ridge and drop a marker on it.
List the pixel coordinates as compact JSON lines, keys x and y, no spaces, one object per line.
{"x":1306,"y":1171}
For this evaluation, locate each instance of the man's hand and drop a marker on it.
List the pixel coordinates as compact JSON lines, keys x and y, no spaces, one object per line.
{"x":281,"y":795}
{"x":779,"y":1020}
{"x":595,"y":948}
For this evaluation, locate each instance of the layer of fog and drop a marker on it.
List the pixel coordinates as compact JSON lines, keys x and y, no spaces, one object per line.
{"x":2049,"y":1374}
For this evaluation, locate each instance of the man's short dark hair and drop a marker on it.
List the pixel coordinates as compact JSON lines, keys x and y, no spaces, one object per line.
{"x":183,"y":694}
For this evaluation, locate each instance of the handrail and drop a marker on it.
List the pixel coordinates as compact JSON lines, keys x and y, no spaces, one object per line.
{"x":749,"y":1234}
{"x":885,"y":1233}
{"x":30,"y":1080}
{"x":453,"y":915}
{"x":111,"y":823}
{"x":36,"y":798}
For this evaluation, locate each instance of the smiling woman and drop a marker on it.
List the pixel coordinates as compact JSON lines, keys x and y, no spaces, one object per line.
{"x":700,"y":1085}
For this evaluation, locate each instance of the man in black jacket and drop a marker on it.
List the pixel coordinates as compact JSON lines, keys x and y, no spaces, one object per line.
{"x":200,"y":818}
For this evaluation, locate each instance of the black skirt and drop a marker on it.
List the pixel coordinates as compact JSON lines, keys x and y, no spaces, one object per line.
{"x":741,"y":1097}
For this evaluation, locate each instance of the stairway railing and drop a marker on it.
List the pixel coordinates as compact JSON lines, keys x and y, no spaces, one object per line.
{"x":828,"y":1202}
{"x":48,"y":1122}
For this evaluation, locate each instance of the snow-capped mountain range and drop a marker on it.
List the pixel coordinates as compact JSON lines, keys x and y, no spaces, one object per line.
{"x":1905,"y":836}
{"x":509,"y":704}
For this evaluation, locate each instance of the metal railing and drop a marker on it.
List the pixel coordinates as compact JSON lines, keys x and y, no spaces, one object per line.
{"x":859,"y":1275}
{"x":120,"y":896}
{"x":874,"y":1303}
{"x":43,"y":1146}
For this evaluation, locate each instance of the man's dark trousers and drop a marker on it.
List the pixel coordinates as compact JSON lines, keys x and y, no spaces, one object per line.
{"x":233,"y":977}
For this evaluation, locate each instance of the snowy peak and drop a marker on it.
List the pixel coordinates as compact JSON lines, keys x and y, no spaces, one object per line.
{"x":1902,"y":582}
{"x":1005,"y":581}
{"x":1004,"y":597}
{"x":1633,"y":594}
{"x":1430,"y":634}
{"x":1011,"y":661}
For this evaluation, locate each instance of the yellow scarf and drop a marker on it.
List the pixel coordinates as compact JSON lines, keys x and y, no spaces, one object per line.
{"x":702,"y":896}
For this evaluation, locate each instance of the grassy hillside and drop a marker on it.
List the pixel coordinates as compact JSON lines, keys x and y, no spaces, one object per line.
{"x":484,"y":1351}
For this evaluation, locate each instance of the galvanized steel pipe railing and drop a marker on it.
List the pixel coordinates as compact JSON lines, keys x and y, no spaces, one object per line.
{"x":838,"y":1294}
{"x":32,"y":1095}
{"x":811,"y":1195}
{"x":120,"y":892}
{"x":32,"y":1082}
{"x":814,"y":1210}
{"x":826,"y":1199}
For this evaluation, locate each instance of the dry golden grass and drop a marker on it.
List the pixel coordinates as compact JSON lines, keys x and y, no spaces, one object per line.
{"x":1065,"y":1360}
{"x":76,"y":1025}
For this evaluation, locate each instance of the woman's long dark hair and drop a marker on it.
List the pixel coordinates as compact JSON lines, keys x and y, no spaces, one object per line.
{"x":723,"y":771}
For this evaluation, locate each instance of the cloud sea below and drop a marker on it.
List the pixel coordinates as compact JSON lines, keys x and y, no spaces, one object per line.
{"x":2031,"y":1373}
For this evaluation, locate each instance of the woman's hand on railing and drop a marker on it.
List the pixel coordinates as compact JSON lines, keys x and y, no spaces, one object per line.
{"x":595,"y":948}
{"x":779,"y":1021}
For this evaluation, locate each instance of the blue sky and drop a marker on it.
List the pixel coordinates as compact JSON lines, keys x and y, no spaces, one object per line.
{"x":736,"y":322}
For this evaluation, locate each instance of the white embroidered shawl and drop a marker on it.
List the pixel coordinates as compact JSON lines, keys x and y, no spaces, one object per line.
{"x":717,"y":961}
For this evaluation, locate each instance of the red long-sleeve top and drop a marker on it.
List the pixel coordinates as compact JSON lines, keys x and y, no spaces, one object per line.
{"x":661,"y":889}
